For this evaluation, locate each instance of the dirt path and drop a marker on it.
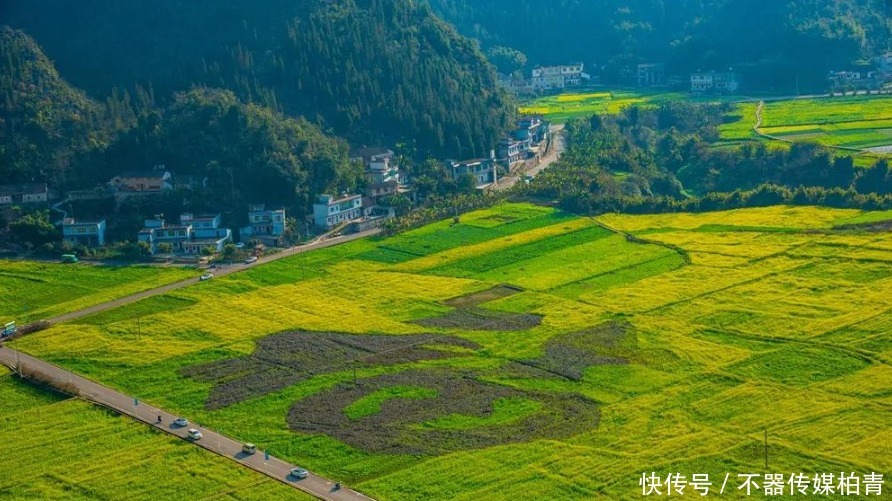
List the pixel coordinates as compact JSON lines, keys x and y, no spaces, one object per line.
{"x":215,"y":442}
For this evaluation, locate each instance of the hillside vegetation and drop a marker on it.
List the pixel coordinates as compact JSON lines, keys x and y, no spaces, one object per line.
{"x":771,"y":43}
{"x":370,"y":70}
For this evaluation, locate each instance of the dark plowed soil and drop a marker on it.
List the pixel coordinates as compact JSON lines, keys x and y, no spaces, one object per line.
{"x":479,"y":319}
{"x":399,"y":426}
{"x":478,"y":298}
{"x":569,"y":355}
{"x":282,"y":360}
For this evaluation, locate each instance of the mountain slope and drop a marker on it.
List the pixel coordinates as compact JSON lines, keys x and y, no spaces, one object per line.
{"x":371,"y":70}
{"x":44,"y":122}
{"x":771,"y":41}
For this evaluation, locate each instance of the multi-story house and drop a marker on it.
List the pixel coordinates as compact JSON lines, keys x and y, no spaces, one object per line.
{"x":23,"y":193}
{"x":329,"y":211}
{"x":89,"y":233}
{"x":190,"y":236}
{"x":156,"y":231}
{"x":383,"y":175}
{"x":484,"y":170}
{"x":266,"y":225}
{"x":557,"y":77}
{"x":651,"y":74}
{"x":509,"y":151}
{"x":714,"y":82}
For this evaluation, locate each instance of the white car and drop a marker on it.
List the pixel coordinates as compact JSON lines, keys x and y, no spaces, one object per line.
{"x":249,"y":448}
{"x":206,"y":276}
{"x":240,"y":245}
{"x":252,"y":259}
{"x":299,"y":473}
{"x":181,"y":421}
{"x":194,"y":434}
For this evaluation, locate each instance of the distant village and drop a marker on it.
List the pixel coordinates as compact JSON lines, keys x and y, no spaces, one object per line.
{"x":868,"y":76}
{"x":200,"y":235}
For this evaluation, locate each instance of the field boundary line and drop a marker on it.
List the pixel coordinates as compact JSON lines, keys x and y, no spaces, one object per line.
{"x":758,"y":125}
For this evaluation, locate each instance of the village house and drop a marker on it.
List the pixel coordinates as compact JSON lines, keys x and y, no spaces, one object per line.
{"x":855,"y":80}
{"x":156,"y":231}
{"x":714,"y":82}
{"x":383,"y":175}
{"x":884,"y":64}
{"x":329,"y":211}
{"x":484,"y":170}
{"x":23,"y":193}
{"x":509,"y":151}
{"x":190,"y":236}
{"x":265,"y":225}
{"x":651,"y":74}
{"x":89,"y":233}
{"x":516,"y":85}
{"x":143,"y":182}
{"x":558,"y":77}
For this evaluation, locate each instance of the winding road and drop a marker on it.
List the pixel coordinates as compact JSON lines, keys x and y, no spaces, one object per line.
{"x":510,"y":180}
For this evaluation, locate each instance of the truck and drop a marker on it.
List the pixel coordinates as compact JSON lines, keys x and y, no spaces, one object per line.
{"x":69,"y":258}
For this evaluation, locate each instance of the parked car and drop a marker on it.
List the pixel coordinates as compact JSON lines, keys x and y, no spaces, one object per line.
{"x":206,"y":276}
{"x":194,"y":434}
{"x":252,"y":259}
{"x":299,"y":473}
{"x":181,"y":421}
{"x":240,"y":245}
{"x":249,"y":448}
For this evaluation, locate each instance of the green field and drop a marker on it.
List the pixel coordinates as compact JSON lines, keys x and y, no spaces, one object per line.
{"x":32,"y":291}
{"x":852,"y":122}
{"x":64,"y":448}
{"x":582,"y":104}
{"x":527,"y":354}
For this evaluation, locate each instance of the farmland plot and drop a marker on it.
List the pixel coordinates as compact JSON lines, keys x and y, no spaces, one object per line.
{"x":68,"y":449}
{"x":559,"y":358}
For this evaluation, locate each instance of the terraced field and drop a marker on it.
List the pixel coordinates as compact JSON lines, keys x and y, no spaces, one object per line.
{"x":31,"y":291}
{"x":526,"y":354}
{"x":68,"y":449}
{"x":861,"y":122}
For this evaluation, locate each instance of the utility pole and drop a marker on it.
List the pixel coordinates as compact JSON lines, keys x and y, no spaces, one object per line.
{"x":766,"y":450}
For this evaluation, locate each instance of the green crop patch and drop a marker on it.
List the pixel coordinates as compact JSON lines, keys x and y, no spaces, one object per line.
{"x":799,"y":366}
{"x":32,"y":291}
{"x":371,"y":404}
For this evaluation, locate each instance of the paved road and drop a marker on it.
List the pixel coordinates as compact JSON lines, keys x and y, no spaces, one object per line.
{"x":557,"y":148}
{"x":217,"y":273}
{"x":315,"y":485}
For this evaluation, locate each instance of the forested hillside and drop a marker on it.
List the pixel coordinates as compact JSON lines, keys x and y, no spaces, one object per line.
{"x":45,"y":124}
{"x":370,"y":70}
{"x":772,"y":43}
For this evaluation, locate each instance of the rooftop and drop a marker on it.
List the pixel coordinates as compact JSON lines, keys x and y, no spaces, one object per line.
{"x":143,"y":173}
{"x":23,"y":189}
{"x":69,"y":221}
